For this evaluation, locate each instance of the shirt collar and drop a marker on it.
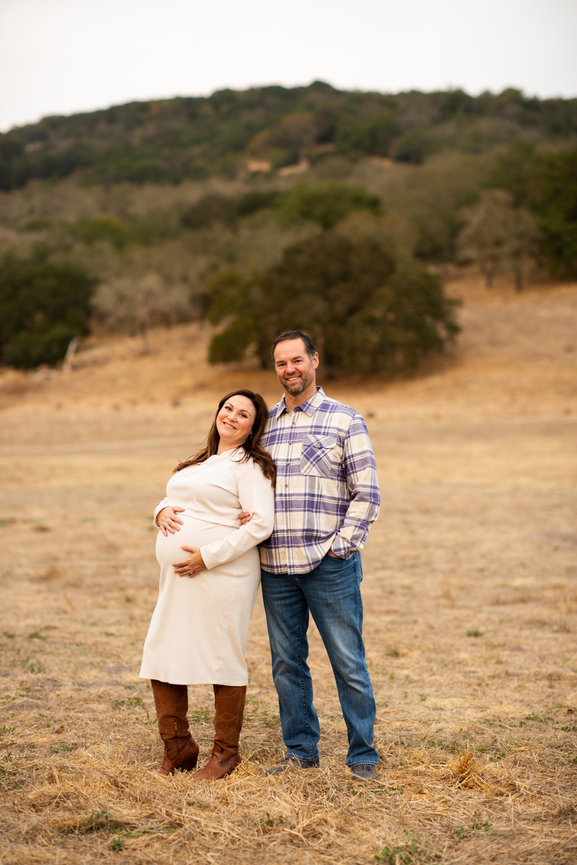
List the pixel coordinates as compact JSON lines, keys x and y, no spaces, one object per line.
{"x":309,"y":407}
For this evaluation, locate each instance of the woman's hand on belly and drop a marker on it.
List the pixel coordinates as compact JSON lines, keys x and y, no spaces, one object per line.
{"x":192,"y":566}
{"x":167,"y":521}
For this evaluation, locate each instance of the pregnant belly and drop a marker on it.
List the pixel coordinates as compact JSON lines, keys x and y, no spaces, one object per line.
{"x":193,"y":533}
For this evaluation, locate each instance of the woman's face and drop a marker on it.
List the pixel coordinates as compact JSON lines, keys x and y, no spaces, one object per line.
{"x":234,"y":422}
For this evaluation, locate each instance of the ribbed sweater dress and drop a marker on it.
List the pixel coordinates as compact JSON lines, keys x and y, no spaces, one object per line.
{"x":199,"y":628}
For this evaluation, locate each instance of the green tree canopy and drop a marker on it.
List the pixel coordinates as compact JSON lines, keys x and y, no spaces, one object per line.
{"x":368,"y":314}
{"x":43,"y":306}
{"x":554,"y":201}
{"x":328,"y":203}
{"x":214,"y":208}
{"x":546,"y":184}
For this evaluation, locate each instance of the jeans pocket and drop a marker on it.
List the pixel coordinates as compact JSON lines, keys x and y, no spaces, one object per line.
{"x":335,"y":567}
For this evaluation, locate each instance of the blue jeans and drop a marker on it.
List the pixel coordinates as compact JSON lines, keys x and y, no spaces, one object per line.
{"x":332,"y":594}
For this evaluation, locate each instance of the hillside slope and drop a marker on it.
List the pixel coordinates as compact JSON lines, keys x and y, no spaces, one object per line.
{"x":517,"y":353}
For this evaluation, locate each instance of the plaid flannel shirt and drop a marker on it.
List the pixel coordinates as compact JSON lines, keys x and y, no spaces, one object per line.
{"x":327,"y":493}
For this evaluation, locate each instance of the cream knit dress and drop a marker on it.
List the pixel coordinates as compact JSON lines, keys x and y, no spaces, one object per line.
{"x":199,"y":628}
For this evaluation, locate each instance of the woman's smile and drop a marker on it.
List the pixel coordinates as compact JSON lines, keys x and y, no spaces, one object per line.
{"x":234,"y":422}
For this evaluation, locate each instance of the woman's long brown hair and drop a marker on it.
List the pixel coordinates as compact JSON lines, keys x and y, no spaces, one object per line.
{"x":252,"y":447}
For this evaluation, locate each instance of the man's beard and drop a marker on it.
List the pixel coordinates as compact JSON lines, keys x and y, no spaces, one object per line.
{"x":297,"y":386}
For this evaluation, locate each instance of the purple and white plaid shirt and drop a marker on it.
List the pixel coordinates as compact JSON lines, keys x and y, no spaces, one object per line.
{"x":327,"y":493}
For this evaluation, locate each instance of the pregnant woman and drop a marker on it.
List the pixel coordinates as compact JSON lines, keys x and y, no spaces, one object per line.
{"x":199,"y":628}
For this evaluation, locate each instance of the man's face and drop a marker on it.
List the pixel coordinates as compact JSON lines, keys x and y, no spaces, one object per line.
{"x":295,"y":369}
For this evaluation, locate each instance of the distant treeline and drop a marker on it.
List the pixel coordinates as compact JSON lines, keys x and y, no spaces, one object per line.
{"x":199,"y":137}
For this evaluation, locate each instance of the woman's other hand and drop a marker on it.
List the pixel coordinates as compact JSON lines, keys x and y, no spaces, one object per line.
{"x":167,"y":520}
{"x":192,"y":566}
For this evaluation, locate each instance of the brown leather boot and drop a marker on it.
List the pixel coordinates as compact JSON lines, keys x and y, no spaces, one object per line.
{"x":180,"y":749}
{"x":229,"y":705}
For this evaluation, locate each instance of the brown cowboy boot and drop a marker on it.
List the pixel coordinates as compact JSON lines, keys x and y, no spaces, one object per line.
{"x":180,"y":749}
{"x":229,"y":705}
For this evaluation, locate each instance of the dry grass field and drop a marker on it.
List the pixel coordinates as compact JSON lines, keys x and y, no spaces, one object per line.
{"x":470,"y":597}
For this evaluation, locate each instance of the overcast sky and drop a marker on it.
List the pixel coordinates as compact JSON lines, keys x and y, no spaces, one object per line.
{"x":68,"y":56}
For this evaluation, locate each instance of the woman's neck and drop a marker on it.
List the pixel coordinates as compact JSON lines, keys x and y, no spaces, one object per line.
{"x":222,"y":449}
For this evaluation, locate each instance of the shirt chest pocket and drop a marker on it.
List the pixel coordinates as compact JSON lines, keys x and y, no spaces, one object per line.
{"x":321,"y":456}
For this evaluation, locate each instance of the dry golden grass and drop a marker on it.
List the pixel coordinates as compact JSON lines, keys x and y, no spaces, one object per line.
{"x":471,"y":613}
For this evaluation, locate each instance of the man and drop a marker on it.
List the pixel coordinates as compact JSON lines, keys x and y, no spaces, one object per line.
{"x":327,"y":496}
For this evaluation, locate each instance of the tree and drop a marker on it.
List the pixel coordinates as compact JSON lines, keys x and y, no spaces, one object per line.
{"x":135,"y":305}
{"x":430,"y":196}
{"x":328,"y":203}
{"x":207,"y":210}
{"x":43,"y":306}
{"x":554,"y":201}
{"x":234,"y":299}
{"x":214,"y":208}
{"x":546,"y":184}
{"x":514,"y":171}
{"x":499,"y":237}
{"x":373,"y":136}
{"x":416,"y":146}
{"x":290,"y":139}
{"x":109,"y":229}
{"x":368,"y":313}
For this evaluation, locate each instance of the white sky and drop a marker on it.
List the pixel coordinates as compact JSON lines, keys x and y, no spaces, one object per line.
{"x":69,"y":56}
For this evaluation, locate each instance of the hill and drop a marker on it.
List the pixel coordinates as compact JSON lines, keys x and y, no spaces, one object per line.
{"x":232,"y":132}
{"x":177,"y":211}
